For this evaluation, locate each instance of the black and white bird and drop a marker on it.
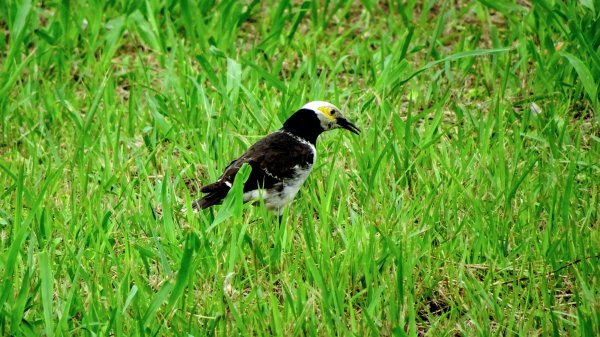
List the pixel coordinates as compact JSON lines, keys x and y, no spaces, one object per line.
{"x":281,"y":161}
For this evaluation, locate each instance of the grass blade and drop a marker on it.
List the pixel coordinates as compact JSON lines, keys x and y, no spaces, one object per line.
{"x":585,"y":75}
{"x":47,"y":293}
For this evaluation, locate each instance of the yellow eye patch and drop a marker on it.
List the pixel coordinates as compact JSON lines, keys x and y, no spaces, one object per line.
{"x":327,"y":111}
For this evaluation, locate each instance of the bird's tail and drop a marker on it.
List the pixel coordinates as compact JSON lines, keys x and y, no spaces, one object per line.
{"x":216,"y":192}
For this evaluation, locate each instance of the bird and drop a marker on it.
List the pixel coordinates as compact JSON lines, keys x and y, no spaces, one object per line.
{"x":281,"y":161}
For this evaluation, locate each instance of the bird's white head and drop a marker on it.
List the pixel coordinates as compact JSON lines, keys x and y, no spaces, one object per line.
{"x":330,"y":116}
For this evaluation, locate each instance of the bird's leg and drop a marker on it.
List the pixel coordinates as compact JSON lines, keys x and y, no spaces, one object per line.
{"x":280,"y":216}
{"x":254,"y":253}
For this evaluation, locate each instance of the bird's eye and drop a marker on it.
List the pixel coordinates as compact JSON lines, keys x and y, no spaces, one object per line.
{"x":333,"y":112}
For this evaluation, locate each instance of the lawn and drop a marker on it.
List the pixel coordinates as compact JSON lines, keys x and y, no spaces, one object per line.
{"x":468,"y":206}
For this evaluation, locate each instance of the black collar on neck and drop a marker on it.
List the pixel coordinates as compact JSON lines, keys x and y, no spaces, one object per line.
{"x":305,"y":124}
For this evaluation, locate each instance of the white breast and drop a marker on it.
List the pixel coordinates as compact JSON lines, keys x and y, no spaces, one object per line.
{"x":277,"y":198}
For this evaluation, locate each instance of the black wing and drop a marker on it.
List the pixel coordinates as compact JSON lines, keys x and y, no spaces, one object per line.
{"x":273,"y":160}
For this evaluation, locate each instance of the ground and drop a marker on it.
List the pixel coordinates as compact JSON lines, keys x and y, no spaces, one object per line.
{"x":468,"y":206}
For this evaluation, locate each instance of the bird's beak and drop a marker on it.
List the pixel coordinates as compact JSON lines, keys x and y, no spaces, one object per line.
{"x":346,"y":124}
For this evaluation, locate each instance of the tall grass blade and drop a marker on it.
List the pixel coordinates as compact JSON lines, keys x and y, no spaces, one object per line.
{"x":47,"y":288}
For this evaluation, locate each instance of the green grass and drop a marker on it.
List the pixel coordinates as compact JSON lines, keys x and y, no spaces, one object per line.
{"x":457,"y":212}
